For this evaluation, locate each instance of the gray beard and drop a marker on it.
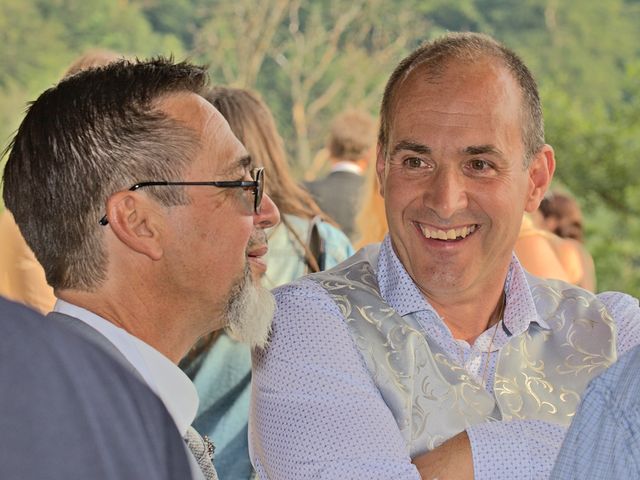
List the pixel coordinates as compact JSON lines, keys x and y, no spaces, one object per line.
{"x":250,"y":312}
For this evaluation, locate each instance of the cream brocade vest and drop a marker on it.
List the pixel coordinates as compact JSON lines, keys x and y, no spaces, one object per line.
{"x":539,"y":374}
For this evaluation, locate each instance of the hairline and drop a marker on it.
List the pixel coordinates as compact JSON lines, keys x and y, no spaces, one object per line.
{"x":436,"y":62}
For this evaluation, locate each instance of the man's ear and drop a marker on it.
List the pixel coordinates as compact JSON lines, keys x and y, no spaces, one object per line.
{"x":541,"y":169}
{"x":135,"y":222}
{"x":380,"y":168}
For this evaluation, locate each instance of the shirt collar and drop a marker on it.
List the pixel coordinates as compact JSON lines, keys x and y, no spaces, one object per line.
{"x":402,"y":294}
{"x":396,"y":286}
{"x":164,"y":377}
{"x":346,"y":166}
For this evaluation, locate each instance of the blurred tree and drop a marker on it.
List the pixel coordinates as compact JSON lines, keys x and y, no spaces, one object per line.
{"x":599,"y":161}
{"x":312,"y":59}
{"x":40,"y":38}
{"x":319,"y":56}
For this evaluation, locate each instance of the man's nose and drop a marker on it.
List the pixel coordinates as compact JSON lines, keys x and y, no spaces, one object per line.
{"x":447,"y":194}
{"x":269,"y":215}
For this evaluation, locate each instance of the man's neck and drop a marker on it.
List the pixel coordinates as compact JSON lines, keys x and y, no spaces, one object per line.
{"x":346,"y":166}
{"x":135,"y":317}
{"x":468,"y":319}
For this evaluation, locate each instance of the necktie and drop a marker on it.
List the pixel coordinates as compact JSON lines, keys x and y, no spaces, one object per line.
{"x":200,"y":449}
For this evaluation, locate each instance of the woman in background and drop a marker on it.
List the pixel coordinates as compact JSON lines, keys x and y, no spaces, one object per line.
{"x":305,"y":241}
{"x":371,"y":222}
{"x":289,"y":254}
{"x":560,"y":214}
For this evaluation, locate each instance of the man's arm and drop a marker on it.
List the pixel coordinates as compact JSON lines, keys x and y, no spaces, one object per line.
{"x":315,"y":411}
{"x":522,"y":448}
{"x":450,"y":461}
{"x":495,"y":450}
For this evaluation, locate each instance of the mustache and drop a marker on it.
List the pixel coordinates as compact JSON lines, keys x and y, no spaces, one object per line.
{"x":257,"y":239}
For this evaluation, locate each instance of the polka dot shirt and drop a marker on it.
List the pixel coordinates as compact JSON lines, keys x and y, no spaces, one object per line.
{"x":316,"y":413}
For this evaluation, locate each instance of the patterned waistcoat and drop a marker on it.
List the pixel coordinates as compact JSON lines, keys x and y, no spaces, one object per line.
{"x":540,"y":374}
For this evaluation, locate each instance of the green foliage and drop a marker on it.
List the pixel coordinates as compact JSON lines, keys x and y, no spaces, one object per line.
{"x":40,"y":38}
{"x":312,"y":59}
{"x":598,"y":155}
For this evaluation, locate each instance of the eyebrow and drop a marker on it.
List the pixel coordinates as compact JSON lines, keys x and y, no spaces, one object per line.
{"x":481,"y":150}
{"x":425,"y":150}
{"x":244,"y":163}
{"x":412,"y":146}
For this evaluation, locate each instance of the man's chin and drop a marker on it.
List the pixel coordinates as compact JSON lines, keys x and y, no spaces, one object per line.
{"x":250,"y":315}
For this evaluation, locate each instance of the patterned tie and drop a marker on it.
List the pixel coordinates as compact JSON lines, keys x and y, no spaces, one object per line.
{"x":203,"y":452}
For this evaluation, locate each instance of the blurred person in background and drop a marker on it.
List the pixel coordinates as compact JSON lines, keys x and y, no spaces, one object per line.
{"x":21,"y":276}
{"x":351,"y":146}
{"x":305,"y":241}
{"x":536,"y":251}
{"x":371,"y":221}
{"x":560,"y":214}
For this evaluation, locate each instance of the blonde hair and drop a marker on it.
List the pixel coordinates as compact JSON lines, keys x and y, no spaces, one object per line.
{"x":371,"y":222}
{"x":252,"y":122}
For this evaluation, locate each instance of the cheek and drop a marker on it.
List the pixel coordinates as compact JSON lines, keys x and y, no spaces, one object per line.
{"x":233,"y":242}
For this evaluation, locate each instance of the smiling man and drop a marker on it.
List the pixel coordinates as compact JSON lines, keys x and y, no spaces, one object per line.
{"x":434,"y":354}
{"x":145,"y":212}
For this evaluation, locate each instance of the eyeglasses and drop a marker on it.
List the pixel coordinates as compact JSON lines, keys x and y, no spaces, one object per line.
{"x":256,"y":185}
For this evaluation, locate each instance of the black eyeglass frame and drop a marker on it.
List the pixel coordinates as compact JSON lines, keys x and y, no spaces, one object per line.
{"x":257,"y":184}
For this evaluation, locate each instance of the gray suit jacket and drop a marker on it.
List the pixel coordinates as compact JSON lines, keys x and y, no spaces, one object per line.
{"x":95,"y":338}
{"x":72,"y":411}
{"x":339,"y":195}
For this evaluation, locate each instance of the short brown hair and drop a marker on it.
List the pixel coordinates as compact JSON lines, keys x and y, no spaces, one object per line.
{"x":96,"y":132}
{"x":468,"y":47}
{"x":353,"y":133}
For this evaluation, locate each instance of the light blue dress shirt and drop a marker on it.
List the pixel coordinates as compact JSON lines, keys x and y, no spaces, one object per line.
{"x":316,"y":413}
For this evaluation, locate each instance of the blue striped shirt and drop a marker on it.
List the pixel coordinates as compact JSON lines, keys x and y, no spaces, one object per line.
{"x":603,"y":441}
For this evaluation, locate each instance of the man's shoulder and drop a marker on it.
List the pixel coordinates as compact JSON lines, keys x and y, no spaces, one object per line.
{"x":92,"y":337}
{"x":95,"y":400}
{"x":304,"y":290}
{"x":312,"y":185}
{"x":617,"y":300}
{"x":608,"y":298}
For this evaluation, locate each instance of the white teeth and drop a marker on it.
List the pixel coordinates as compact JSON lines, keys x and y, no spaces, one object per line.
{"x":451,"y":234}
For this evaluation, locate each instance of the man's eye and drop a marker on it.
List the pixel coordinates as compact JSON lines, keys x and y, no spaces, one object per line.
{"x":479,"y":165}
{"x":413,"y":162}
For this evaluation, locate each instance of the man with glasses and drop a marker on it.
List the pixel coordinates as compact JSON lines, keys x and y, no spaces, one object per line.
{"x":145,"y":212}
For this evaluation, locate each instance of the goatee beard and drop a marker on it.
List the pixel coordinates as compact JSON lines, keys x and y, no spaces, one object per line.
{"x":250,"y":312}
